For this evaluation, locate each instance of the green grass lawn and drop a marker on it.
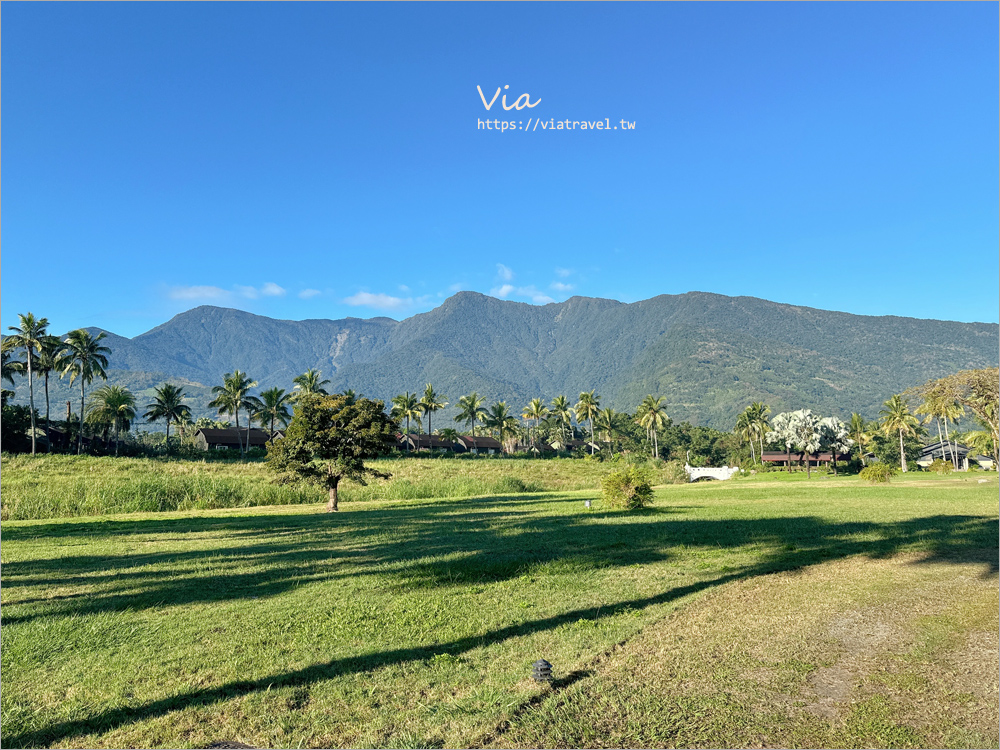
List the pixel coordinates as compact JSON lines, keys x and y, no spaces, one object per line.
{"x":415,"y":623}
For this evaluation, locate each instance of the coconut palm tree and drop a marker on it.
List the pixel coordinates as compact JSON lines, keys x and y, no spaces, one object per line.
{"x":430,"y":403}
{"x":310,"y":382}
{"x":83,"y":357}
{"x":168,"y":405}
{"x":114,"y":405}
{"x":500,"y":419}
{"x":29,"y":336}
{"x":406,"y":406}
{"x":896,"y":418}
{"x":758,"y":414}
{"x":450,"y":434}
{"x":48,"y":357}
{"x":535,"y":410}
{"x":232,"y":396}
{"x":861,"y":433}
{"x":586,"y":409}
{"x":940,"y":405}
{"x":563,"y":412}
{"x":746,"y":431}
{"x":470,"y":411}
{"x":606,"y":423}
{"x":274,"y":409}
{"x":9,"y":367}
{"x":652,"y":415}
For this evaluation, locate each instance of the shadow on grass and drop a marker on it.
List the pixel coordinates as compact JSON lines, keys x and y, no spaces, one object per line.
{"x":432,"y":544}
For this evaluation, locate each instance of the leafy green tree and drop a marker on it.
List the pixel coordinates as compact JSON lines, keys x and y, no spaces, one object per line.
{"x":10,"y":367}
{"x":351,"y":395}
{"x":309,"y":382}
{"x":979,"y":392}
{"x":168,"y":405}
{"x":450,"y":434}
{"x":430,"y":403}
{"x":329,"y":440}
{"x":939,"y":404}
{"x":234,"y":395}
{"x":470,"y":411}
{"x":537,"y":411}
{"x":114,"y":405}
{"x":406,"y":406}
{"x":652,"y":415}
{"x":896,"y":418}
{"x":273,"y":410}
{"x":29,"y":336}
{"x":587,"y":408}
{"x":83,"y":357}
{"x":758,"y":414}
{"x":563,"y":413}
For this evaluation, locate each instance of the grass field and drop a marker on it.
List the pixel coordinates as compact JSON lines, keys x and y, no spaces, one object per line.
{"x":61,"y":486}
{"x":767,"y":611}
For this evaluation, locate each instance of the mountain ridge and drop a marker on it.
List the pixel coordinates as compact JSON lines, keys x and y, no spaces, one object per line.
{"x":708,"y":354}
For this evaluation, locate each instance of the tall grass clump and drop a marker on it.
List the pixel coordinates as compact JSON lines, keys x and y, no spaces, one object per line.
{"x":627,"y":488}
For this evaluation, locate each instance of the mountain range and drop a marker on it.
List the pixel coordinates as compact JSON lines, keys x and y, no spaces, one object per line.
{"x":708,"y":354}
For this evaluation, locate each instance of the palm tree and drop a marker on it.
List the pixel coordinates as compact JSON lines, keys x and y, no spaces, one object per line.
{"x":861,"y":433}
{"x":29,"y":336}
{"x":274,"y":408}
{"x":430,"y":403}
{"x":168,"y":405}
{"x":450,"y":434}
{"x":606,"y":422}
{"x":114,"y":405}
{"x":746,"y":431}
{"x":563,"y":412}
{"x":406,"y":406}
{"x":758,"y":413}
{"x":941,"y":406}
{"x":896,"y":418}
{"x":500,"y":419}
{"x":653,"y":416}
{"x":535,"y":410}
{"x":9,"y":367}
{"x":587,"y":408}
{"x":470,"y":411}
{"x":83,"y":357}
{"x":310,"y":382}
{"x":48,"y":357}
{"x":232,"y":396}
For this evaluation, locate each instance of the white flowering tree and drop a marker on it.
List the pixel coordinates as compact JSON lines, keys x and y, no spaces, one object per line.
{"x":806,"y":434}
{"x":781,"y":434}
{"x":835,"y":437}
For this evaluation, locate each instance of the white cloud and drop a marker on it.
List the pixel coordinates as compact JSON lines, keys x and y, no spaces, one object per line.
{"x":504,"y":273}
{"x":541,"y":299}
{"x":502,"y":291}
{"x":456,"y":287}
{"x":526,"y":292}
{"x":308,"y":293}
{"x":404,"y":288}
{"x":562,"y":273}
{"x":198,"y":293}
{"x":378,"y":301}
{"x":270,"y":289}
{"x":247,"y":291}
{"x":560,"y":287}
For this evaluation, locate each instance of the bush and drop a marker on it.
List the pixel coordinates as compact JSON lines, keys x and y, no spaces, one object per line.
{"x":627,"y":488}
{"x":940,"y":466}
{"x":878,"y":473}
{"x":675,"y":473}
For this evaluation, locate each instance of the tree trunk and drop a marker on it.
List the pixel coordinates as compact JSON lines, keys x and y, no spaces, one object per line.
{"x":168,"y":434}
{"x":656,"y":445}
{"x":753,"y":452}
{"x":117,"y":434}
{"x":331,"y":505}
{"x":31,"y":400}
{"x":808,"y":466}
{"x":48,"y":431}
{"x":591,"y":436}
{"x":249,"y":421}
{"x":238,"y":438}
{"x":83,"y":399}
{"x":788,"y":458}
{"x":902,"y":454}
{"x":951,"y":448}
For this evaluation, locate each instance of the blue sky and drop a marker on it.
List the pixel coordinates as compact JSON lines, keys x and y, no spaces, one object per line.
{"x":324,"y":160}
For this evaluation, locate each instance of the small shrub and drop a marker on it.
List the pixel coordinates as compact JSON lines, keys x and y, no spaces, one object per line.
{"x":877,"y":473}
{"x":673,"y":472}
{"x":940,"y":466}
{"x":627,"y":488}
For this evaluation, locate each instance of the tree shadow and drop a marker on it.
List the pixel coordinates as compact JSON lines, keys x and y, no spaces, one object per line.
{"x":436,"y":544}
